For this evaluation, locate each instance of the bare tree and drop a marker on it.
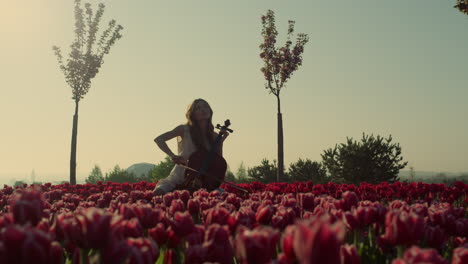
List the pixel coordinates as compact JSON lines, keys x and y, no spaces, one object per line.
{"x":279,"y":65}
{"x":85,"y":59}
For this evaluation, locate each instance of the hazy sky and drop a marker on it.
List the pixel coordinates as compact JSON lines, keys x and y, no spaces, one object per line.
{"x":382,"y":67}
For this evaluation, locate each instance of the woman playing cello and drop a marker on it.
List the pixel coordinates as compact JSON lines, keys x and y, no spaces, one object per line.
{"x":197,"y":134}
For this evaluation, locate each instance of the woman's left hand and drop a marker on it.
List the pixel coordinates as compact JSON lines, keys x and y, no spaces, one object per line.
{"x":224,"y":134}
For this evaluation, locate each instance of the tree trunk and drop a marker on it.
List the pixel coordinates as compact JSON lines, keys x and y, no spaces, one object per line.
{"x":73,"y":146}
{"x":280,"y":144}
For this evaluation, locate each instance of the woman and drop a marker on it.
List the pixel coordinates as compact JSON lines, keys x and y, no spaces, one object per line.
{"x":197,"y":134}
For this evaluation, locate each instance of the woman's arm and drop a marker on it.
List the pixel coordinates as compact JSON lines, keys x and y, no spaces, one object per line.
{"x":161,"y":139}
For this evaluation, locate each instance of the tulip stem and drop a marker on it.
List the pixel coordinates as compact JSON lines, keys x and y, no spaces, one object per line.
{"x":84,"y":255}
{"x":400,"y":251}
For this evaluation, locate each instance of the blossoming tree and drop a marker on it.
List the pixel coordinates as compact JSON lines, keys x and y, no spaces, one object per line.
{"x":279,"y":65}
{"x":86,"y":57}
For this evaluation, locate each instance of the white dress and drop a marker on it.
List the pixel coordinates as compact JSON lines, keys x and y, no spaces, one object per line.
{"x":185,"y":148}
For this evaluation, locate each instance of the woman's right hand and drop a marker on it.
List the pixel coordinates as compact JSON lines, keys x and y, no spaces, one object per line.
{"x":179,"y":160}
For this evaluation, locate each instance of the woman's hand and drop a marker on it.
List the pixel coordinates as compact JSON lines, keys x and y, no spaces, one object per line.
{"x":179,"y":160}
{"x":224,"y":135}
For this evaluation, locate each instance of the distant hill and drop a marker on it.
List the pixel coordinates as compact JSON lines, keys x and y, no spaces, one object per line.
{"x":140,"y":169}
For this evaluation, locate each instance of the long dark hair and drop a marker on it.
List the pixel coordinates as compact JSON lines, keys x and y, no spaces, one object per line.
{"x":198,"y":139}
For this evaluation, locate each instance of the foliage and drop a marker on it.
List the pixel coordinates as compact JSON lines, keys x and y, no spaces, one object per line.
{"x":119,"y":175}
{"x":230,"y":177}
{"x":372,"y":160}
{"x":95,"y":175}
{"x":19,"y":183}
{"x":462,"y":5}
{"x":242,"y":175}
{"x":265,"y":172}
{"x":162,"y":170}
{"x":307,"y":170}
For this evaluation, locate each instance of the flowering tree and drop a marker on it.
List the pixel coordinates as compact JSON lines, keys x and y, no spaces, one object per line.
{"x":86,"y":57}
{"x":462,"y":5}
{"x":279,"y":65}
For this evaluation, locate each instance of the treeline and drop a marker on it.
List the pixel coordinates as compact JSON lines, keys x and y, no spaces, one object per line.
{"x":371,"y":160}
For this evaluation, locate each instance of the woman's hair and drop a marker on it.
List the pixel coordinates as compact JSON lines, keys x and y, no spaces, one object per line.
{"x":198,"y":139}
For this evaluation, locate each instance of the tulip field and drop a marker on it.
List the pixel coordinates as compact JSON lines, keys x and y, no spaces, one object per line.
{"x":399,"y":223}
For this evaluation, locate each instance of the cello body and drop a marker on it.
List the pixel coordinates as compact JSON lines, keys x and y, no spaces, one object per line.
{"x":210,"y":178}
{"x":207,"y":169}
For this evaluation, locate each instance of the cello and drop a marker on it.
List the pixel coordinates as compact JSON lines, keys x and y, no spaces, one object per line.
{"x":206,"y":169}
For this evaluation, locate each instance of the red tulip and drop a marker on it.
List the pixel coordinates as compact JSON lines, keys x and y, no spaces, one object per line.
{"x":402,"y":228}
{"x":460,"y":255}
{"x":318,"y":241}
{"x":217,"y":244}
{"x":142,"y":251}
{"x":435,"y":236}
{"x":415,"y":255}
{"x":257,"y":245}
{"x":197,"y":236}
{"x":306,"y":201}
{"x":95,"y":225}
{"x":287,"y":242}
{"x":264,"y":214}
{"x":123,"y":228}
{"x":147,"y":215}
{"x":349,"y":255}
{"x":28,"y":245}
{"x":28,"y":208}
{"x":159,"y":234}
{"x":349,"y":200}
{"x":176,"y":206}
{"x":195,"y":254}
{"x":219,"y":215}
{"x":183,"y":223}
{"x":193,"y":206}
